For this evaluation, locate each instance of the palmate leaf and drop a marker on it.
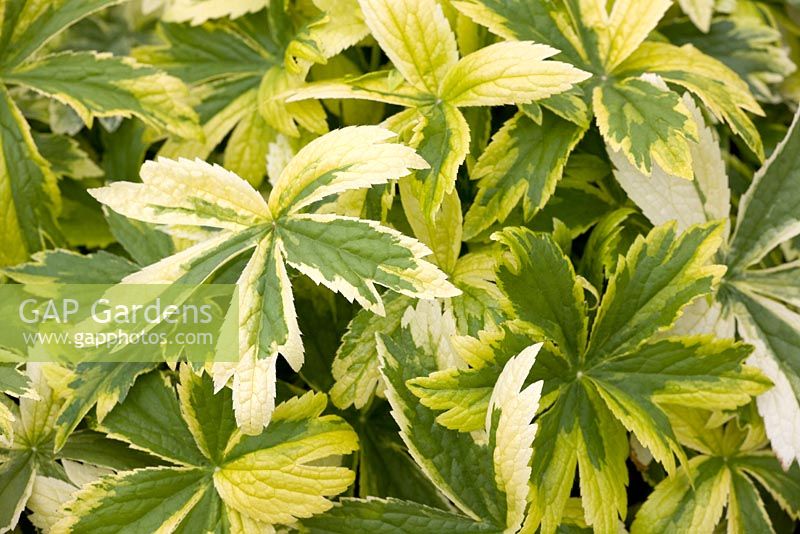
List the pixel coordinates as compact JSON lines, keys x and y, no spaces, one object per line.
{"x":613,"y":46}
{"x":217,"y":478}
{"x":433,"y":82}
{"x":720,"y":89}
{"x":239,"y":67}
{"x":760,"y":300}
{"x":731,"y":467}
{"x":347,"y":255}
{"x":490,"y":489}
{"x":94,"y":85}
{"x":27,"y":455}
{"x":614,"y":377}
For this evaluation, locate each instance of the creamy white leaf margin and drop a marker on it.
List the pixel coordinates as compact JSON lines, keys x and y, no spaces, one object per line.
{"x":515,"y":433}
{"x":173,"y":193}
{"x":433,"y":328}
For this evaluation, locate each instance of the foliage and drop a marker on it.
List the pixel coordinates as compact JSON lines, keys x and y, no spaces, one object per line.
{"x":542,"y":256}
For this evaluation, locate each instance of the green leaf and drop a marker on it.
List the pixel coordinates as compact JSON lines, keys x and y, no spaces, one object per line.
{"x":767,"y":212}
{"x":101,"y":384}
{"x":101,"y":85}
{"x":747,"y":44}
{"x":66,"y":156}
{"x":144,"y":242}
{"x":525,"y":160}
{"x":402,"y":348}
{"x":493,"y":485}
{"x":16,"y":484}
{"x":148,"y":499}
{"x":28,"y":190}
{"x":647,"y":123}
{"x":160,"y":432}
{"x":391,"y":515}
{"x":382,"y":452}
{"x":555,"y":305}
{"x":660,"y":275}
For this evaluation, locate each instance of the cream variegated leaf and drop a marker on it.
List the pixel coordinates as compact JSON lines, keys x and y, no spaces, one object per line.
{"x":186,"y":192}
{"x":29,"y":193}
{"x":382,"y":86}
{"x":508,"y":73}
{"x":500,"y":459}
{"x":47,"y":497}
{"x":432,"y":82}
{"x":219,"y":475}
{"x":721,"y":90}
{"x":648,"y":123}
{"x":423,"y":65}
{"x":514,"y":432}
{"x":663,"y":197}
{"x":241,"y":69}
{"x":199,"y":11}
{"x":619,"y":47}
{"x":442,"y":137}
{"x":348,"y":255}
{"x":101,"y":85}
{"x":344,"y":28}
{"x":725,"y":480}
{"x":629,"y":24}
{"x":355,"y":367}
